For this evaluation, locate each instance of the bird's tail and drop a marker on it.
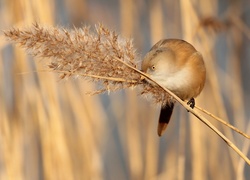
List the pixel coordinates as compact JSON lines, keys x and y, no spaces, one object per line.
{"x":165,"y":116}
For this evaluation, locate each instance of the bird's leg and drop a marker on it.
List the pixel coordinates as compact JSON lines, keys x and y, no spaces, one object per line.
{"x":191,"y":103}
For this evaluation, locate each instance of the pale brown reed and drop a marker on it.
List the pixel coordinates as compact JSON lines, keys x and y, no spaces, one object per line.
{"x":102,"y":56}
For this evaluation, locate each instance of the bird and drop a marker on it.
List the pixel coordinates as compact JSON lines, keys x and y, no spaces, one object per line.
{"x":176,"y":65}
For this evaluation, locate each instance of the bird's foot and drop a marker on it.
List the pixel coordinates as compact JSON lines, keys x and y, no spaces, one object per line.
{"x":191,"y":103}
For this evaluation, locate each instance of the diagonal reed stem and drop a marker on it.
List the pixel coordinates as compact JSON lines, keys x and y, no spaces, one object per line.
{"x":223,"y":122}
{"x":195,"y":113}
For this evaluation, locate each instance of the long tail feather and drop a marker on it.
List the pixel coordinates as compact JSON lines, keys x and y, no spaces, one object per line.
{"x":164,"y":119}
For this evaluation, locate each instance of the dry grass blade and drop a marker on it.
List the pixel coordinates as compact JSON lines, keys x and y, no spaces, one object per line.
{"x":223,"y":122}
{"x":103,"y":56}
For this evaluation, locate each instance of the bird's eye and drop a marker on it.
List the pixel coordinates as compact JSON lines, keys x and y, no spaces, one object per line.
{"x":153,"y":67}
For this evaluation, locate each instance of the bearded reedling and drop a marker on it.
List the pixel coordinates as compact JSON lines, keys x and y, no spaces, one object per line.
{"x":176,"y":65}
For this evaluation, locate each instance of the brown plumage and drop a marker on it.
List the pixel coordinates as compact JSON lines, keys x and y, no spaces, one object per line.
{"x":176,"y":65}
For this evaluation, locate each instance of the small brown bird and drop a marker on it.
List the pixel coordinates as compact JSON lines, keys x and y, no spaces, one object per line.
{"x":176,"y":65}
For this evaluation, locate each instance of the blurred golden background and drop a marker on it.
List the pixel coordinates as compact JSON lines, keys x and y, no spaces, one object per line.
{"x":51,"y":129}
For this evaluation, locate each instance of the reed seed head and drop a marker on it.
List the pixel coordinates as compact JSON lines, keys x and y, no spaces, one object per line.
{"x":101,"y":56}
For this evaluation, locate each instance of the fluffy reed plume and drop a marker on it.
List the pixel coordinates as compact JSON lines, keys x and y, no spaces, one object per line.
{"x":103,"y":56}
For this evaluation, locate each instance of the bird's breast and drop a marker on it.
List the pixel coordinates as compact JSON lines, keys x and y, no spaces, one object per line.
{"x":183,"y":83}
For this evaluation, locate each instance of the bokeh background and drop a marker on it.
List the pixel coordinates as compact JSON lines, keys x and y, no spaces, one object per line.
{"x":50,"y":129}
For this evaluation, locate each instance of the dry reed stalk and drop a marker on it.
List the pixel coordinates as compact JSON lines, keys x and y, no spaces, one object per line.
{"x":43,"y":119}
{"x":245,"y":150}
{"x":103,"y":54}
{"x":236,"y":94}
{"x":217,"y":103}
{"x":181,"y":146}
{"x":153,"y":146}
{"x":189,"y":19}
{"x":215,"y":25}
{"x":156,"y":21}
{"x":128,"y":19}
{"x":235,"y":68}
{"x":238,"y":27}
{"x":90,"y":150}
{"x":223,"y":122}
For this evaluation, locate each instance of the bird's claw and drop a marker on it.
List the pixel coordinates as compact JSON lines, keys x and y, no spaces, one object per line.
{"x":191,"y":103}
